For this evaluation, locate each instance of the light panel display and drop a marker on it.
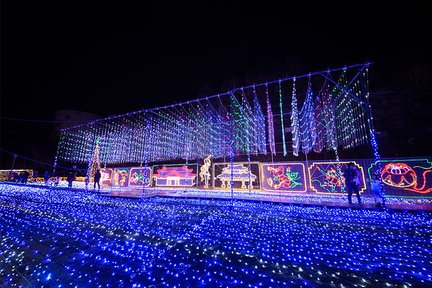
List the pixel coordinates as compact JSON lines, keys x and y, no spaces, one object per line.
{"x":205,"y":174}
{"x":405,"y":177}
{"x":327,"y":177}
{"x":238,"y":175}
{"x":140,"y":176}
{"x":106,"y":177}
{"x":175,"y":176}
{"x":120,"y":177}
{"x":284,"y":177}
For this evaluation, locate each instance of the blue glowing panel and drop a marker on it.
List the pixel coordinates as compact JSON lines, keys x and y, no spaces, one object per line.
{"x":106,"y":177}
{"x":120,"y":177}
{"x":327,"y":178}
{"x":239,"y":176}
{"x":140,"y":176}
{"x":174,"y":176}
{"x":407,"y":177}
{"x":284,"y":177}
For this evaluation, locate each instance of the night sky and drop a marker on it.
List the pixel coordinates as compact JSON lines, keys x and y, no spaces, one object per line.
{"x":110,"y":59}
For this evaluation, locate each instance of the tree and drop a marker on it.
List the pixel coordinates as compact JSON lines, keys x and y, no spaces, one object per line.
{"x":94,"y":163}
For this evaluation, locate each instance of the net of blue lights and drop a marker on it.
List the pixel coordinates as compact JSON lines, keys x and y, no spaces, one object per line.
{"x":326,"y":110}
{"x":65,"y":238}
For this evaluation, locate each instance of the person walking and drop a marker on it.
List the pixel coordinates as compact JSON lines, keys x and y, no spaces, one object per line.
{"x":97,"y":177}
{"x":350,"y":175}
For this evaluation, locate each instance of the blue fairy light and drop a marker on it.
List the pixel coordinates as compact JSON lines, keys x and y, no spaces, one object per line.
{"x":92,"y":241}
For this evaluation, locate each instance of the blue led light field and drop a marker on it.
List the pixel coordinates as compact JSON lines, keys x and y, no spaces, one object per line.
{"x":61,"y":238}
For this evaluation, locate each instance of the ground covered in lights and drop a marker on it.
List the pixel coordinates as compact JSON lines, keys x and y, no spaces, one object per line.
{"x":61,"y":238}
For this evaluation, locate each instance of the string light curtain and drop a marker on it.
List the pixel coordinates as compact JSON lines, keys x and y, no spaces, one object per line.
{"x":270,"y":121}
{"x":307,"y":122}
{"x":295,"y":121}
{"x":335,"y":116}
{"x":188,"y":131}
{"x":334,"y":113}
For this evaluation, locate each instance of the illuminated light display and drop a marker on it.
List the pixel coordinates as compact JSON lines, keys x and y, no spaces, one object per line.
{"x":260,"y":128}
{"x":270,"y":123}
{"x":320,"y":118}
{"x":232,"y":123}
{"x":166,"y":242}
{"x":295,"y":126}
{"x":120,"y":177}
{"x":282,"y":119}
{"x":236,"y":172}
{"x":328,"y":116}
{"x":307,"y":122}
{"x":175,"y":176}
{"x":284,"y":177}
{"x":240,"y":125}
{"x":94,"y":163}
{"x":106,"y":177}
{"x":399,"y":176}
{"x":140,"y":176}
{"x":324,"y":177}
{"x":205,"y":174}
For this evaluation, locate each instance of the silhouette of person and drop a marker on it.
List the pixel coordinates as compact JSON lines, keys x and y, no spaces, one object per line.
{"x":70,"y":179}
{"x":57,"y":181}
{"x":23,"y":177}
{"x":47,"y":177}
{"x":350,"y":174}
{"x":97,"y":177}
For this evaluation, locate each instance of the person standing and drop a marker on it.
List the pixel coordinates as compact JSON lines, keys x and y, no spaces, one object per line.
{"x":70,"y":179}
{"x":97,"y":177}
{"x":350,"y":175}
{"x":375,"y":184}
{"x":86,"y":182}
{"x":47,"y":177}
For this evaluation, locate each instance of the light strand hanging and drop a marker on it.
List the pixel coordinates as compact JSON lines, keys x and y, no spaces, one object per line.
{"x":282,"y":119}
{"x":271,"y":136}
{"x":295,"y":125}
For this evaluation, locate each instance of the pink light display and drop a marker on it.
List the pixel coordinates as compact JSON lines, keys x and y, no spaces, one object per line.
{"x":175,"y":176}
